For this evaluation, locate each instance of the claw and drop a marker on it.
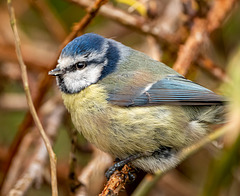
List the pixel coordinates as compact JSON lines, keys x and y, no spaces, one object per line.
{"x":119,"y":165}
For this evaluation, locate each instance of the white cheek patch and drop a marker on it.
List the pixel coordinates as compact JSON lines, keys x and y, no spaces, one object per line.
{"x":80,"y":79}
{"x":92,"y":73}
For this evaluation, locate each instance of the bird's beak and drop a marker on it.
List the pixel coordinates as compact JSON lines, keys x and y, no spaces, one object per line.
{"x":55,"y":72}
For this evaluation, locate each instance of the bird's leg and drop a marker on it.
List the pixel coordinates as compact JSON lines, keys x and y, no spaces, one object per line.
{"x":120,"y":164}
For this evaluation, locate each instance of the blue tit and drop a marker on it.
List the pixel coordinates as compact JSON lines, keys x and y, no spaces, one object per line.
{"x":131,"y":106}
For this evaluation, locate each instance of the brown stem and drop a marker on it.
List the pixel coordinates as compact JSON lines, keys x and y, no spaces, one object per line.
{"x":30,"y":102}
{"x":201,"y":29}
{"x":43,"y":86}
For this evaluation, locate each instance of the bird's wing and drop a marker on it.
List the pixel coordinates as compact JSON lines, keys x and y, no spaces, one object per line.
{"x":171,"y":90}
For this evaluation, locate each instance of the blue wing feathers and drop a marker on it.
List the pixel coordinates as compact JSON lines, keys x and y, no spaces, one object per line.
{"x":172,"y":90}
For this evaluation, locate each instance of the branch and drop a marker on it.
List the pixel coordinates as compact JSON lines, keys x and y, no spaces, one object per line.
{"x":190,"y":50}
{"x":35,"y":168}
{"x":42,"y":86}
{"x":116,"y":182}
{"x":30,"y":102}
{"x":72,"y":176}
{"x":230,"y":132}
{"x":135,"y":22}
{"x":85,"y":21}
{"x":187,"y":53}
{"x":52,"y":112}
{"x":213,"y":69}
{"x":17,"y":164}
{"x":31,"y":55}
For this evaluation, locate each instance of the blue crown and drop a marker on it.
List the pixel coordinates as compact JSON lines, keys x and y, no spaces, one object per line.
{"x":83,"y":44}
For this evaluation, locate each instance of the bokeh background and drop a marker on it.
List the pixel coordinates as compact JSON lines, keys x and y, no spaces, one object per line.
{"x":198,"y":38}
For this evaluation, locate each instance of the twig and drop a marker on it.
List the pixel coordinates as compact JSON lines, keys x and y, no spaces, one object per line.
{"x":187,"y":54}
{"x":30,"y":102}
{"x":134,"y":22}
{"x":36,"y":166}
{"x":42,"y":86}
{"x":154,"y":48}
{"x":116,"y":182}
{"x":72,"y":177}
{"x":17,"y":164}
{"x":84,"y":22}
{"x":149,"y":181}
{"x":218,"y":13}
{"x":190,"y":50}
{"x":209,"y":65}
{"x":52,"y":113}
{"x":32,"y":56}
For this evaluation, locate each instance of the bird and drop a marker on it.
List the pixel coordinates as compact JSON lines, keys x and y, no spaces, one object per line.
{"x":131,"y":106}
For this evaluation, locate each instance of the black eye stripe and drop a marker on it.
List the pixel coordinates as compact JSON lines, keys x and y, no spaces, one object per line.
{"x":71,"y":68}
{"x":74,"y":67}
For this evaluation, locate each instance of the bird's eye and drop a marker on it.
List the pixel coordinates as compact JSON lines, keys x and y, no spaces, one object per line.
{"x":81,"y":65}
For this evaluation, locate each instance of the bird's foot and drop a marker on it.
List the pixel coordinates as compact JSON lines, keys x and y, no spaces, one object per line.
{"x":120,"y":163}
{"x":127,"y":173}
{"x":132,"y":175}
{"x":117,"y":166}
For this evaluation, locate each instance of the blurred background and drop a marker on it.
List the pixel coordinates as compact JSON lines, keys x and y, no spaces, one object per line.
{"x":198,"y":38}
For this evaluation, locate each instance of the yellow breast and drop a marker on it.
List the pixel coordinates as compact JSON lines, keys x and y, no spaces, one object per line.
{"x":122,"y":131}
{"x":89,"y":111}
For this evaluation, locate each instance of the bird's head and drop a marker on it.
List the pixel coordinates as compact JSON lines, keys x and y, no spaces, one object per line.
{"x":85,"y":60}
